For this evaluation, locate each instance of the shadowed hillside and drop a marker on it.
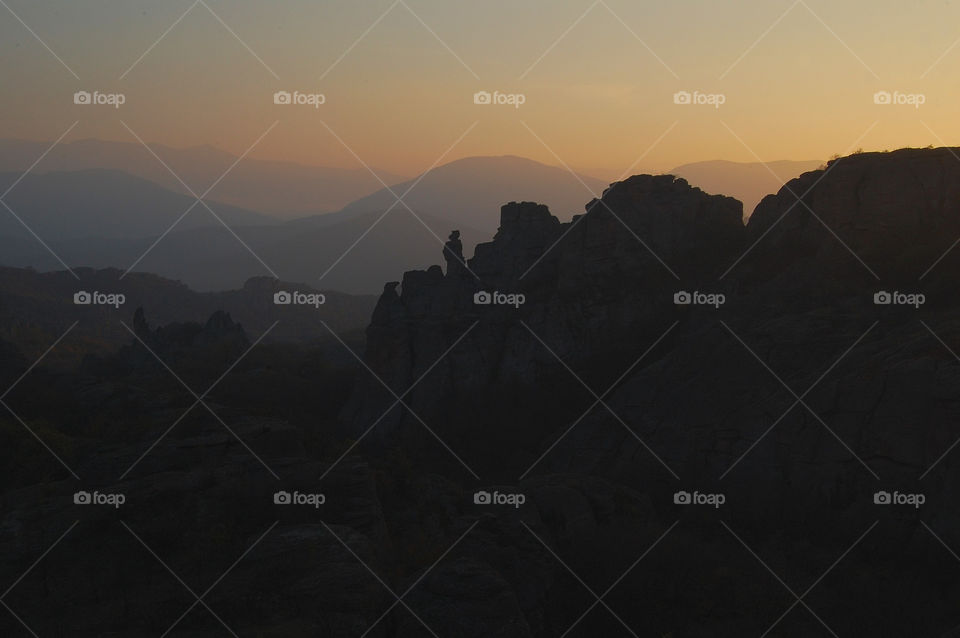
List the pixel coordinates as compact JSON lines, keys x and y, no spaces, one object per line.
{"x":651,"y":395}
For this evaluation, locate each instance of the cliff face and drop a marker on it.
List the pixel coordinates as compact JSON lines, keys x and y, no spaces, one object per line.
{"x":898,"y":212}
{"x":598,"y":399}
{"x":600,"y":289}
{"x":798,"y":398}
{"x":590,"y":288}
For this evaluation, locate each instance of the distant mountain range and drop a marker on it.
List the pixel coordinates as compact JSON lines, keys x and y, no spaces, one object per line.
{"x":749,"y":182}
{"x":106,"y":204}
{"x":103,"y":217}
{"x":109,"y":219}
{"x":282,"y":189}
{"x":470,"y":191}
{"x":212,"y":258}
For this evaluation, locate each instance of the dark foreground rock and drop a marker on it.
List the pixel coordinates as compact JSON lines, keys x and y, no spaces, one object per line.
{"x":552,"y":404}
{"x":713,"y":405}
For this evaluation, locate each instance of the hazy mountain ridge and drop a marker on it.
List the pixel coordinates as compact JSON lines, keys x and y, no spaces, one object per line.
{"x":464,"y":191}
{"x":107,"y":204}
{"x":277,"y":188}
{"x":357,"y":254}
{"x":204,"y":254}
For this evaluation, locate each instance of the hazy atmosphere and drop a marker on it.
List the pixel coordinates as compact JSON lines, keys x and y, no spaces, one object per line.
{"x":398,"y":78}
{"x":533,"y":319}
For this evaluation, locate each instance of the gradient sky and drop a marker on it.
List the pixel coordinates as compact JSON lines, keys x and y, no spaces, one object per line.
{"x":597,"y":100}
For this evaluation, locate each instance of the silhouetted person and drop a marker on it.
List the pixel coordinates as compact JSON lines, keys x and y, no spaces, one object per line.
{"x":453,"y":253}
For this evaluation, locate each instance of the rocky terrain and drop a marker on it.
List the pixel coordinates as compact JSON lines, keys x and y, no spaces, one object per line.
{"x":560,"y":371}
{"x":879,"y":390}
{"x":36,"y":308}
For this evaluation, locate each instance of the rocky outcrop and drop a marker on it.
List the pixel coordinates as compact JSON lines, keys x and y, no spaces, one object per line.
{"x":891,"y":213}
{"x":219,"y":328}
{"x":714,"y":406}
{"x":796,"y":399}
{"x":596,"y":287}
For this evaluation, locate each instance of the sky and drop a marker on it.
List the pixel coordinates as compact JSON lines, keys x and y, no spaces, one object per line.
{"x":602,"y":83}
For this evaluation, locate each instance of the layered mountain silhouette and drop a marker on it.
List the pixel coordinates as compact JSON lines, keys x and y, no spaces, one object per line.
{"x":281,"y":189}
{"x":106,"y":204}
{"x":106,"y":218}
{"x":110,"y":219}
{"x":620,"y":382}
{"x":353,"y":256}
{"x":466,"y":190}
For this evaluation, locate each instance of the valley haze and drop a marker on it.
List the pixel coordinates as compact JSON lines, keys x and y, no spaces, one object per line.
{"x":420,"y":318}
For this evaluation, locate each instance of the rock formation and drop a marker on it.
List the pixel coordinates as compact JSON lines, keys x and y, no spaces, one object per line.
{"x":715,"y":404}
{"x":650,"y":346}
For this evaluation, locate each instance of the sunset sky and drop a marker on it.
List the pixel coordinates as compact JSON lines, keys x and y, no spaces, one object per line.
{"x":797,"y":78}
